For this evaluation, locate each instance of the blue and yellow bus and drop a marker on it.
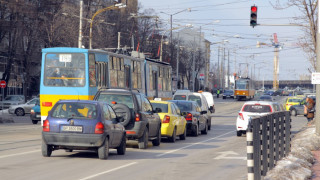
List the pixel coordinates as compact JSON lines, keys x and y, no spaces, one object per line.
{"x":75,"y":73}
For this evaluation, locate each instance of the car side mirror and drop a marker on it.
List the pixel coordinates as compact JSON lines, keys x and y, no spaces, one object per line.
{"x":203,"y":112}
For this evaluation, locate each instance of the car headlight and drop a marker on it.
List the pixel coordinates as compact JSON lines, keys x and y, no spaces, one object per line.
{"x":32,"y":111}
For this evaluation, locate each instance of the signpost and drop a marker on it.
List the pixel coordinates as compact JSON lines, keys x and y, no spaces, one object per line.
{"x":3,"y":84}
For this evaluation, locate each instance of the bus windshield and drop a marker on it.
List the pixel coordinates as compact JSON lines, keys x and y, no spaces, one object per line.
{"x":241,"y":85}
{"x":64,"y":69}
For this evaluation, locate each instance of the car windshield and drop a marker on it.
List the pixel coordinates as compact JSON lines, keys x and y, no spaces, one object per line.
{"x":163,"y":107}
{"x":118,"y":98}
{"x":256,"y":108}
{"x":265,"y":97}
{"x":184,"y":107}
{"x":12,"y":98}
{"x":228,"y":91}
{"x":196,"y":99}
{"x":295,"y":100}
{"x":74,"y":110}
{"x":180,"y":97}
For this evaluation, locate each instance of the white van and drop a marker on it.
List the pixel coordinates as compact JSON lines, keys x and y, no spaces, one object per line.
{"x":209,"y":98}
{"x":197,"y":97}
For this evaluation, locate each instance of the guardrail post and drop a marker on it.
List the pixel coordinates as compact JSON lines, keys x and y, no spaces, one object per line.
{"x":282,"y":134}
{"x":288,"y":132}
{"x":271,"y":141}
{"x":264,"y":147}
{"x":276,"y":137}
{"x":256,"y":148}
{"x":250,"y":163}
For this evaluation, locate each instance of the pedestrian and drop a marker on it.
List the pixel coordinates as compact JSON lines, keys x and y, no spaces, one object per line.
{"x":218,"y":92}
{"x":309,"y":109}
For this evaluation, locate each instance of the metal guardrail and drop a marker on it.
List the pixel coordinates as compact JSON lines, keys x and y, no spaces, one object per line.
{"x":268,"y":140}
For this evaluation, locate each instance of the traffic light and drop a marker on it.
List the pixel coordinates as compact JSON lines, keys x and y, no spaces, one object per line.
{"x":253,"y":16}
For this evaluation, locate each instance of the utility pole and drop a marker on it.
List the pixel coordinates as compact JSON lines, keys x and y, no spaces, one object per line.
{"x":276,"y":63}
{"x":318,"y":70}
{"x":222,"y":68}
{"x":193,"y":66}
{"x":228,"y":72}
{"x":177,"y":68}
{"x":218,"y":84}
{"x":80,"y":25}
{"x":199,"y":54}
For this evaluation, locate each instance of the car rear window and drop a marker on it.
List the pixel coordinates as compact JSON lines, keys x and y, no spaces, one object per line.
{"x":163,"y":107}
{"x":184,"y":107}
{"x":294,"y":100}
{"x":180,"y":97}
{"x":75,"y":110}
{"x":265,"y":97}
{"x":118,"y":98}
{"x":195,"y":98}
{"x":257,"y":108}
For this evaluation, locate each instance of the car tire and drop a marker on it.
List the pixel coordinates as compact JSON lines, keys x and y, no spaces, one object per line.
{"x":293,"y":112}
{"x":19,"y":112}
{"x":239,"y":133}
{"x":103,"y":151}
{"x":143,"y":140}
{"x":196,"y":131}
{"x":157,"y":141}
{"x":174,"y":136}
{"x":184,"y":135}
{"x":121,"y":150}
{"x":209,"y":126}
{"x":46,"y":149}
{"x":205,"y":131}
{"x":123,"y":110}
{"x":34,"y":122}
{"x":223,"y":97}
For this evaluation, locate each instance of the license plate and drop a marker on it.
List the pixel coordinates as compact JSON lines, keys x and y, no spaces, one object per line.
{"x":72,"y":128}
{"x":38,"y":116}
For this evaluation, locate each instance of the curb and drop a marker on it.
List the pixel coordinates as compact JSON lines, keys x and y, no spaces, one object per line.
{"x":6,"y":120}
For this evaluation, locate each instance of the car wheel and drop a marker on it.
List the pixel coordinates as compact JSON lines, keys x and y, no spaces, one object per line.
{"x":19,"y":112}
{"x":103,"y":151}
{"x":239,"y":133}
{"x":143,"y":140}
{"x":209,"y":127}
{"x":46,"y":149}
{"x":205,"y":131}
{"x":293,"y":112}
{"x":34,"y":122}
{"x":123,"y":110}
{"x":196,"y":131}
{"x":121,"y":150}
{"x":174,"y":136}
{"x":184,"y":135}
{"x":156,"y":142}
{"x":223,"y":97}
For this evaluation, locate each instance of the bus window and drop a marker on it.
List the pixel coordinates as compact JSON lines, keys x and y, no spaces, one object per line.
{"x":64,"y":70}
{"x":92,"y":71}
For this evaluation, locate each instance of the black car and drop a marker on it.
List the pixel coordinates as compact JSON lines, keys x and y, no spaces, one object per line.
{"x":83,"y":125}
{"x":228,"y":94}
{"x":141,"y":122}
{"x":265,"y":98}
{"x":196,"y":121}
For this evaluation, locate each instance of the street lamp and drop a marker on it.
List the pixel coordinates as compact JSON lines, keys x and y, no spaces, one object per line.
{"x":113,"y":7}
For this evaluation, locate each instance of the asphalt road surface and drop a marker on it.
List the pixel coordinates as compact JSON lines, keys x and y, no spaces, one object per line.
{"x":218,"y":155}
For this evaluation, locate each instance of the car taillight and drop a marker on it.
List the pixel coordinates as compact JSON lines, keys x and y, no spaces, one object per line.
{"x":137,"y":118}
{"x":166,"y":119}
{"x":289,"y":104}
{"x":99,"y":128}
{"x":189,"y":117}
{"x":46,"y":127}
{"x":241,"y":116}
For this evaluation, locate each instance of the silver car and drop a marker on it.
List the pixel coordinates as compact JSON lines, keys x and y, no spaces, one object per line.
{"x":12,"y":100}
{"x":22,"y":109}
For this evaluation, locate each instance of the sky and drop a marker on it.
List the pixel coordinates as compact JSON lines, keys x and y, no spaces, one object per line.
{"x":229,"y":21}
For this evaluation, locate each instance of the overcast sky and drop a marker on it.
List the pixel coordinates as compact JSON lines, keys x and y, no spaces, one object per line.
{"x":228,"y":19}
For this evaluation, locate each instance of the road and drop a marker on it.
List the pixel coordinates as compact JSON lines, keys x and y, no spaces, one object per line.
{"x":218,"y":155}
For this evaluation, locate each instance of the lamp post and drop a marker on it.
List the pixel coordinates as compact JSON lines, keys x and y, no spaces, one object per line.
{"x":113,"y":7}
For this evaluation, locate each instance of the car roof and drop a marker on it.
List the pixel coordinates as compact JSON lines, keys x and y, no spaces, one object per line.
{"x":118,"y":90}
{"x":78,"y":101}
{"x":160,"y":102}
{"x":260,"y":102}
{"x":182,"y":101}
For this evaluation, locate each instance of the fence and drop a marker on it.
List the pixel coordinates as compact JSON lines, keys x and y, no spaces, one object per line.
{"x":268,"y":140}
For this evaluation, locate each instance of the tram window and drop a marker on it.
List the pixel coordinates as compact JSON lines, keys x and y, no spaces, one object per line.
{"x":92,"y":71}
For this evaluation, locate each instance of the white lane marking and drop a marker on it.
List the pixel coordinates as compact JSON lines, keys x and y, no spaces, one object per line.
{"x":172,"y":151}
{"x":111,"y":170}
{"x":226,"y":153}
{"x":18,"y":154}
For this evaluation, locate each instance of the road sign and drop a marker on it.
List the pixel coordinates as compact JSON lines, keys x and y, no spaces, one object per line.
{"x":3,"y":84}
{"x":315,"y":78}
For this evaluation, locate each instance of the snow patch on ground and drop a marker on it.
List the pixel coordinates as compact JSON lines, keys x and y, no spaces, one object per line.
{"x":297,"y":165}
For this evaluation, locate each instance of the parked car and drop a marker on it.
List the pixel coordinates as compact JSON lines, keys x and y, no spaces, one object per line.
{"x":35,"y":113}
{"x":265,"y":98}
{"x":83,"y":125}
{"x":210,"y":101}
{"x":252,"y":109}
{"x":173,"y":124}
{"x":270,"y":93}
{"x":196,"y":119}
{"x":292,"y":101}
{"x":140,"y":120}
{"x":200,"y":99}
{"x":299,"y":108}
{"x":22,"y":109}
{"x":12,"y":100}
{"x":228,"y":94}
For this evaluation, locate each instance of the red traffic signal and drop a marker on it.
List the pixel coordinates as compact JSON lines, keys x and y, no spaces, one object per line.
{"x":253,"y":16}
